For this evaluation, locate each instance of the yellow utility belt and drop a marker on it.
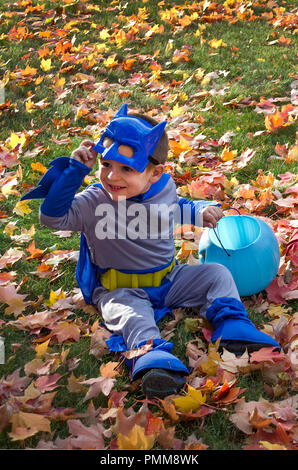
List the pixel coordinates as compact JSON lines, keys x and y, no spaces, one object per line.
{"x":113,"y":279}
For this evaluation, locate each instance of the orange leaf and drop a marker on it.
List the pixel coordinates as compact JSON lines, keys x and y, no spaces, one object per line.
{"x":108,"y":370}
{"x":274,"y":121}
{"x":257,"y":421}
{"x":35,"y":252}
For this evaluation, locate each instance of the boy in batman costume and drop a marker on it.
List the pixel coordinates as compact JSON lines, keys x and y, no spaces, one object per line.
{"x":135,"y":281}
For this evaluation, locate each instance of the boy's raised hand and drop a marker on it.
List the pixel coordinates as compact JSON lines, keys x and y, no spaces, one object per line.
{"x":85,"y":154}
{"x":211,"y":216}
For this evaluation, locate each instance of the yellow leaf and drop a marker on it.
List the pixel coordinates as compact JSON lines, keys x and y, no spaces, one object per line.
{"x":41,"y":348}
{"x":111,"y":62}
{"x":191,"y":402}
{"x":28,"y":71}
{"x":177,"y":110}
{"x":270,"y":446}
{"x":10,"y":228}
{"x":21,"y":208}
{"x":181,"y":146}
{"x":263,"y":181}
{"x":135,"y":440}
{"x":38,"y":80}
{"x":216,"y":43}
{"x":54,"y":297}
{"x":169,"y":46}
{"x":46,"y":64}
{"x":228,"y":154}
{"x":199,"y":74}
{"x":14,"y":140}
{"x":7,"y":188}
{"x":29,"y":105}
{"x":293,"y":154}
{"x":38,"y":167}
{"x":104,"y":34}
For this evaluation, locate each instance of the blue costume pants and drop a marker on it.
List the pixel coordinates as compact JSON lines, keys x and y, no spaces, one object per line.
{"x":129,"y":312}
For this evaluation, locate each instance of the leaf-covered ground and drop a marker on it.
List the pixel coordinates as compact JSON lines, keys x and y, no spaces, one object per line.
{"x":223,"y":75}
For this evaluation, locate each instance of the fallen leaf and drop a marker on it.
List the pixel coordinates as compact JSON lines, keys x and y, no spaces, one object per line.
{"x":135,"y":440}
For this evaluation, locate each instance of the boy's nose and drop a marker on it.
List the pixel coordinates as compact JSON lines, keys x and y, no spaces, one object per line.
{"x":113,"y":174}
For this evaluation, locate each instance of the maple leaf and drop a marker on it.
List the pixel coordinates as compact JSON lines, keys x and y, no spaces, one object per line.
{"x":66,"y":330}
{"x":74,"y":384}
{"x":132,"y":353}
{"x":9,"y":296}
{"x":98,"y":346}
{"x":25,"y":425}
{"x":274,"y":121}
{"x":108,"y":370}
{"x":233,"y":363}
{"x":191,"y":402}
{"x":269,"y":446}
{"x":257,"y":421}
{"x":216,"y":43}
{"x":135,"y":440}
{"x":228,"y":154}
{"x":86,"y":437}
{"x":34,"y":252}
{"x":47,"y":383}
{"x":39,"y":167}
{"x":21,"y":208}
{"x":111,"y":62}
{"x":266,"y":354}
{"x":11,"y":256}
{"x":41,"y":349}
{"x":7,"y":277}
{"x":98,"y":385}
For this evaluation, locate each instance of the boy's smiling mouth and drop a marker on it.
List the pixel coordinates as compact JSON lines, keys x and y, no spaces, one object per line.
{"x":115,"y":188}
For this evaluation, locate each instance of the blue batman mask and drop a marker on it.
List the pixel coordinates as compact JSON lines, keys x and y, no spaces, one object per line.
{"x":140,"y":135}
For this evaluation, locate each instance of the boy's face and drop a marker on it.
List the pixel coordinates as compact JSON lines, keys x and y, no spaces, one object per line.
{"x":122,"y":181}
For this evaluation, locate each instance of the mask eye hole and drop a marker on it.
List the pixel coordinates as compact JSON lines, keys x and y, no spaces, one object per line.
{"x":126,"y":151}
{"x":107,"y":142}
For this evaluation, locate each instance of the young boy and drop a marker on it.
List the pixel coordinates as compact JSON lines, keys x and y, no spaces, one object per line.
{"x":127,"y":264}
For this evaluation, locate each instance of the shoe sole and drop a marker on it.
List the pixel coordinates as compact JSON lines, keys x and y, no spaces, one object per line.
{"x":159,"y":383}
{"x":238,"y":347}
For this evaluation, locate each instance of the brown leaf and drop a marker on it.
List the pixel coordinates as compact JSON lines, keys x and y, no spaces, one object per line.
{"x":66,"y":331}
{"x":84,"y":437}
{"x":27,"y":424}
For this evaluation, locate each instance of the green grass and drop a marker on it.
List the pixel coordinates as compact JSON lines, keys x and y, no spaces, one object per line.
{"x":255,"y":69}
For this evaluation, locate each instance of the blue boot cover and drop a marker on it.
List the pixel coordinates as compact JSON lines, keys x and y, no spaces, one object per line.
{"x":158,"y":358}
{"x":57,"y":167}
{"x":231,"y":323}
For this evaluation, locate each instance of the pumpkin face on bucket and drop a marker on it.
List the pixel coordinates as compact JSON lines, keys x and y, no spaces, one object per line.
{"x":246,"y":246}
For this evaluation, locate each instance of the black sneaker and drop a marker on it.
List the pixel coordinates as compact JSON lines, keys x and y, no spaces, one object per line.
{"x":239,"y":347}
{"x":159,"y":383}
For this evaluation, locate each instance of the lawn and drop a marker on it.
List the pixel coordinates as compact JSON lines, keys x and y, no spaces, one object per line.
{"x":223,"y":75}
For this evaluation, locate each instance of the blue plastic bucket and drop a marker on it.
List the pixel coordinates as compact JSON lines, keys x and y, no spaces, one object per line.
{"x":247,"y":246}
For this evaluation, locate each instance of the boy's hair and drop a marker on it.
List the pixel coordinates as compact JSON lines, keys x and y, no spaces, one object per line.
{"x":162,"y":148}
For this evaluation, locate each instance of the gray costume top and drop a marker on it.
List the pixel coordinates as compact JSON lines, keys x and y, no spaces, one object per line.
{"x":126,"y":235}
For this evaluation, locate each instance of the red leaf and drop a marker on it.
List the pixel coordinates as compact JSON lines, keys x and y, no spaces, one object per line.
{"x":266,"y":355}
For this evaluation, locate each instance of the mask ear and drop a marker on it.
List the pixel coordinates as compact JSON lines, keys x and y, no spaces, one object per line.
{"x":156,"y":133}
{"x":122,"y":112}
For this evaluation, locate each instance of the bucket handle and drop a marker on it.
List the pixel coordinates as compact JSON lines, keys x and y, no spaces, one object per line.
{"x":217,"y":236}
{"x":234,"y":208}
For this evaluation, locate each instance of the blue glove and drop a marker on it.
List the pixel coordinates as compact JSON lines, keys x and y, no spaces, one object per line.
{"x":57,"y":167}
{"x":62,"y":190}
{"x":190,"y":211}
